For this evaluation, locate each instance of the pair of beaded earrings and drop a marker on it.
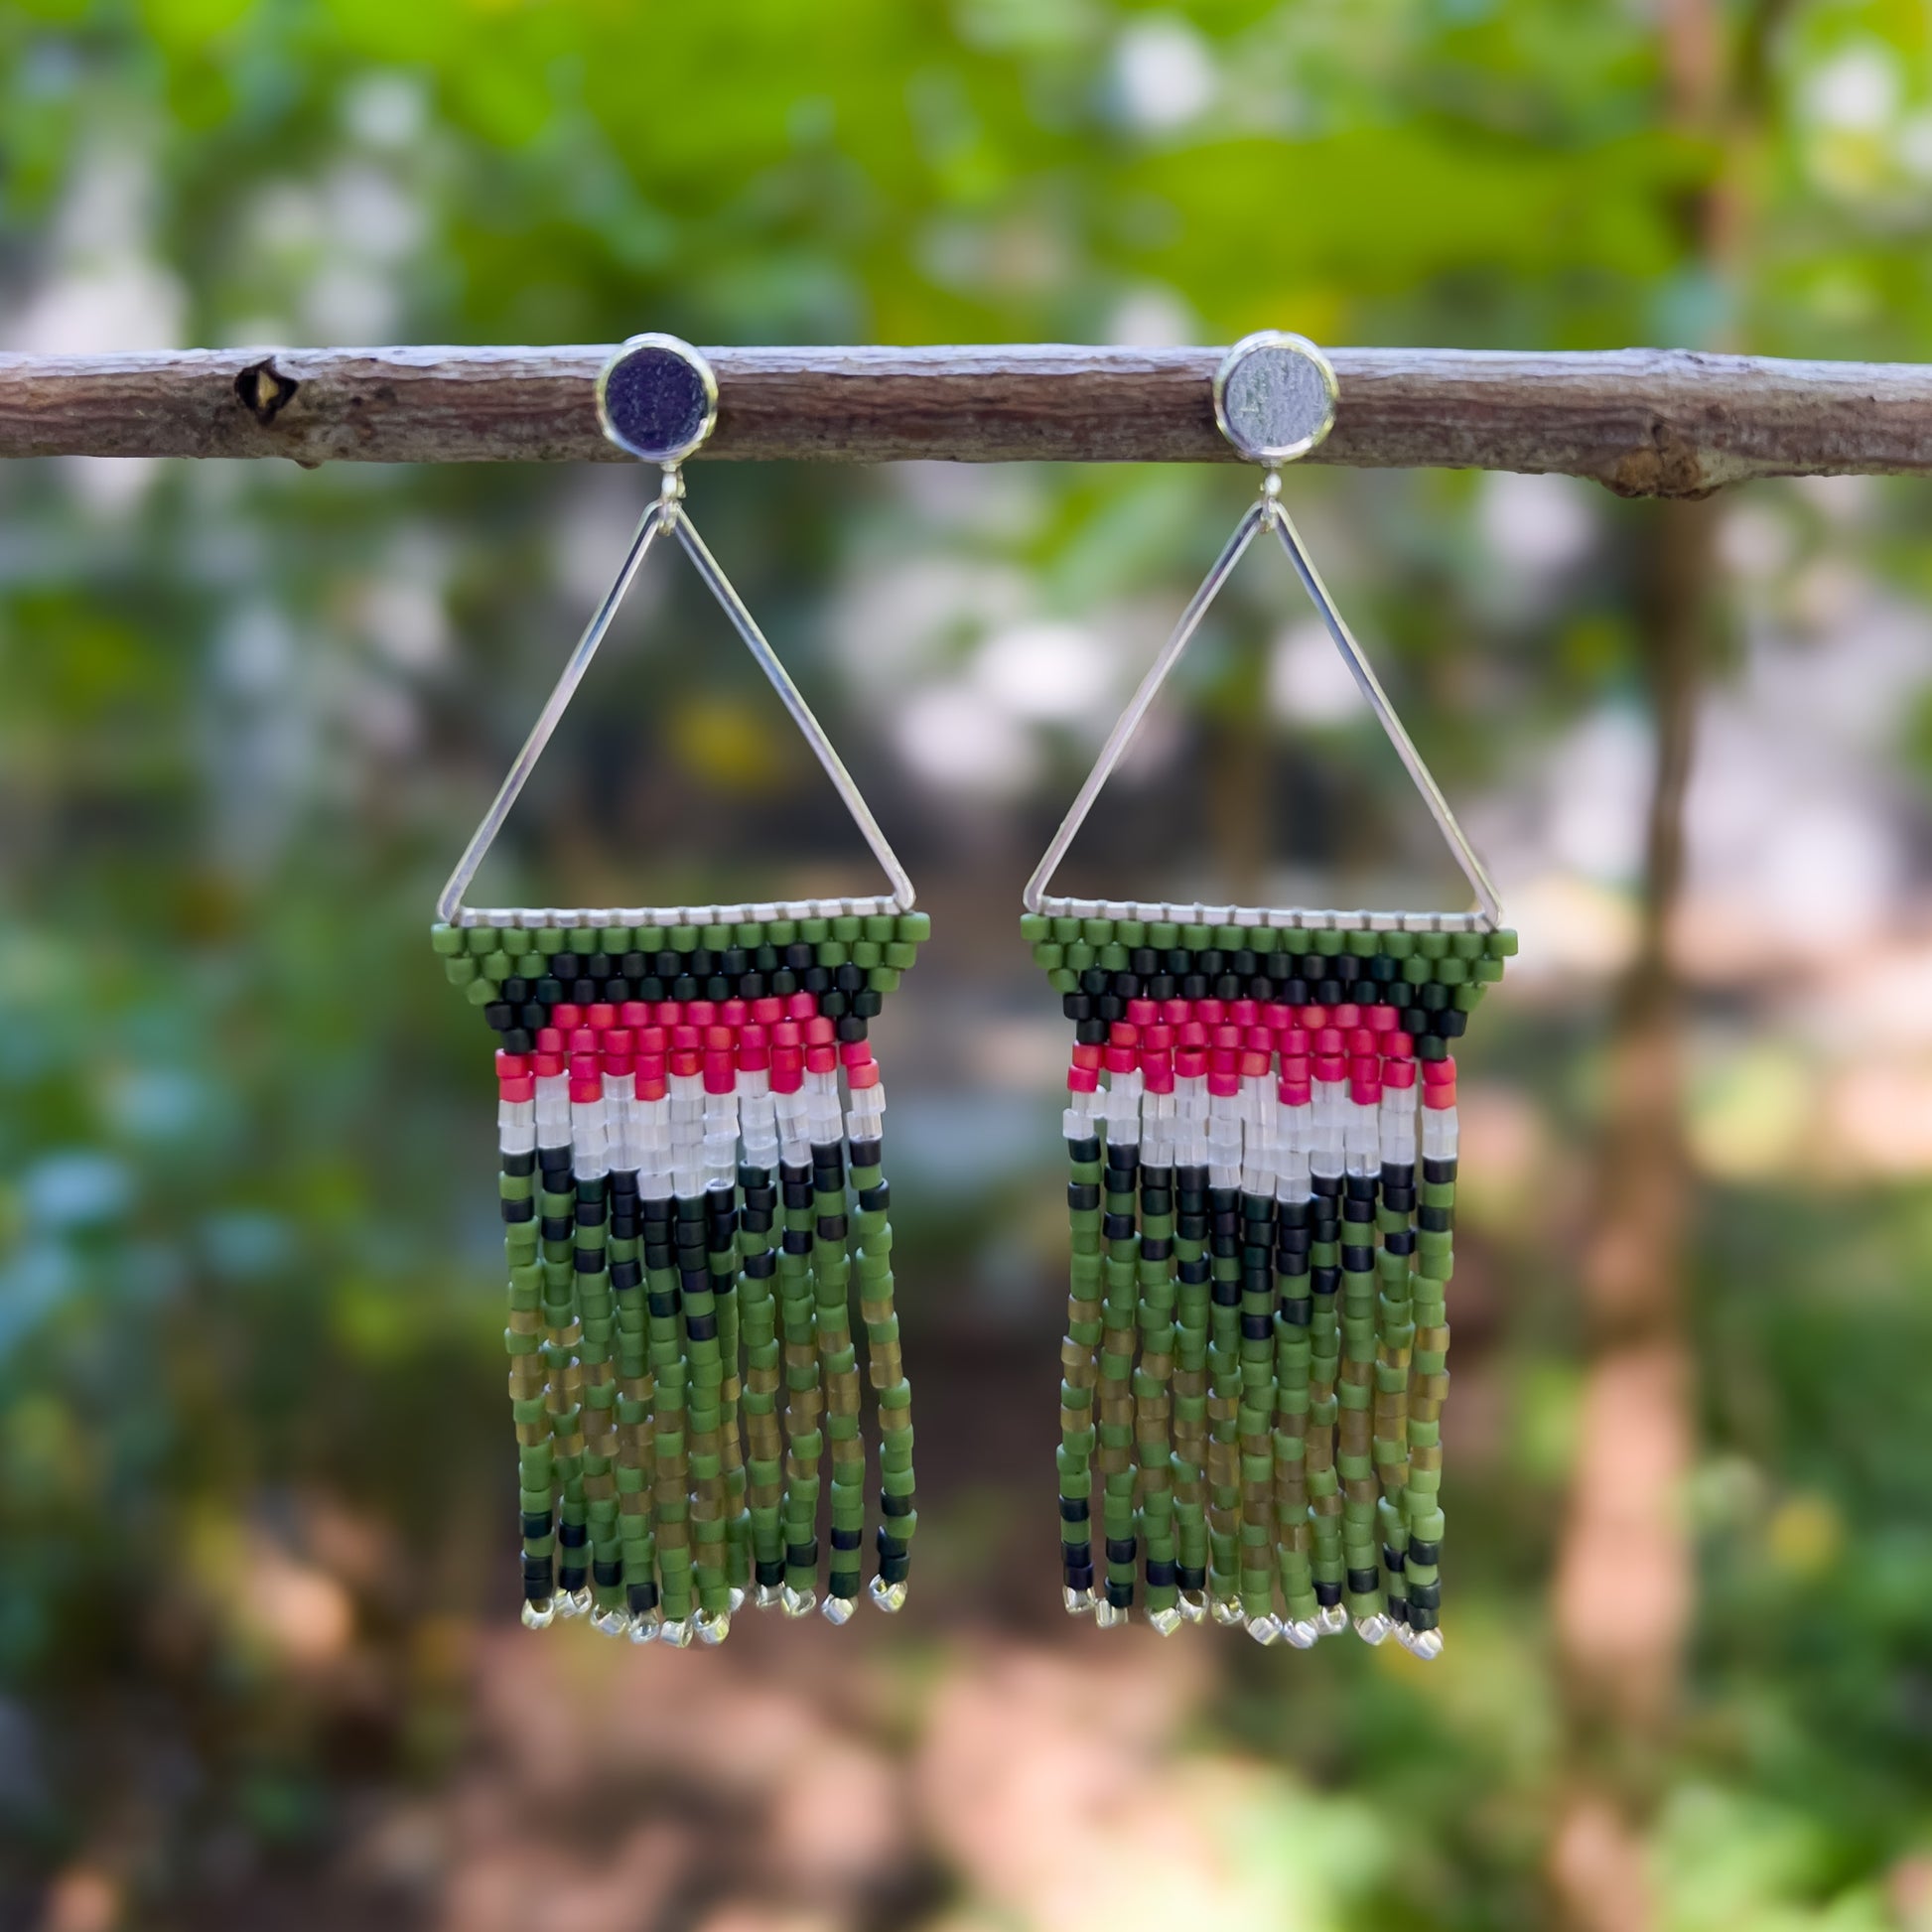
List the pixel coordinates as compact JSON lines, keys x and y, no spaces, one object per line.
{"x":690,"y":1121}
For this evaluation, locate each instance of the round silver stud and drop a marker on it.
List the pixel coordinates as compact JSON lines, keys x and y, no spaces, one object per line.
{"x":1275,"y":396}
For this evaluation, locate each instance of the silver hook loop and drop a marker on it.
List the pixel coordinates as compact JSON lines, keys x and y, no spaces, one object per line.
{"x":658,"y":400}
{"x":1275,"y":400}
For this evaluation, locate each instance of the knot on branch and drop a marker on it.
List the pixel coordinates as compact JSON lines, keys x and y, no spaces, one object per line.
{"x":264,"y":390}
{"x":1671,"y":464}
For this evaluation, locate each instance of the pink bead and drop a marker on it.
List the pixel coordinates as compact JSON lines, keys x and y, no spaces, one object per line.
{"x":618,"y":1066}
{"x":1381,"y":1020}
{"x":653,"y":1039}
{"x":787,"y":1069}
{"x":1224,"y":1062}
{"x":1177,"y":1012}
{"x":1253,"y":1062}
{"x":1294,"y":1066}
{"x":821,"y":1059}
{"x":586,"y":1090}
{"x":1294,"y":1040}
{"x":1438,"y":1097}
{"x":1086,"y":1054}
{"x":1120,"y":1060}
{"x":1193,"y":1033}
{"x":518,"y":1090}
{"x":686,"y":1061}
{"x":1294,"y":1093}
{"x":1224,"y":1085}
{"x":859,"y":1078}
{"x":768,"y":1010}
{"x":732,"y":1013}
{"x":1158,"y":1069}
{"x":1242,"y":1012}
{"x":565,"y":1015}
{"x":602,"y":1017}
{"x":1211,"y":1012}
{"x":1439,"y":1074}
{"x":635,"y":1014}
{"x":1347,"y":1016}
{"x":651,"y":1086}
{"x":1328,"y":1041}
{"x":1142,"y":1013}
{"x":1364,"y":1091}
{"x":1083,"y":1079}
{"x":1399,"y":1044}
{"x":801,"y":1006}
{"x":1123,"y":1034}
{"x":685,"y":1040}
{"x":652,"y":1066}
{"x":1399,"y":1073}
{"x":513,"y":1067}
{"x":820,"y":1032}
{"x":720,"y":1074}
{"x":700,"y":1013}
{"x":550,"y":1039}
{"x":1330,"y":1067}
{"x":1190,"y":1063}
{"x":549,"y":1066}
{"x":1157,"y":1039}
{"x":1314,"y":1018}
{"x":1278,"y":1017}
{"x":856,"y":1053}
{"x":586,"y":1067}
{"x":670,"y":1014}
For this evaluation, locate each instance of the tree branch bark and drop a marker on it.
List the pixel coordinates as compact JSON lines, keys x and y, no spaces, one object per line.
{"x":1643,"y":422}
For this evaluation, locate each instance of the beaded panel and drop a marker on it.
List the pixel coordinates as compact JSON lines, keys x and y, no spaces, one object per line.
{"x":691,"y":1126}
{"x":1261,"y":1136}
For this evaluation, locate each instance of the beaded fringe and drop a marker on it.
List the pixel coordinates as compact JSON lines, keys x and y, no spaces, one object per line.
{"x":691,"y":1123}
{"x":1262,"y":1220}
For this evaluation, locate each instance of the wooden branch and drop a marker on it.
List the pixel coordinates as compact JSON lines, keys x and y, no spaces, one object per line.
{"x":1643,"y":422}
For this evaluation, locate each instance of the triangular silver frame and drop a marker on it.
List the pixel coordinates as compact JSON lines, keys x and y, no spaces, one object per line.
{"x":667,"y":513}
{"x":1268,"y":513}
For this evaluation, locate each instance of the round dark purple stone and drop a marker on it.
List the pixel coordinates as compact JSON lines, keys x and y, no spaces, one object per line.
{"x":655,"y":404}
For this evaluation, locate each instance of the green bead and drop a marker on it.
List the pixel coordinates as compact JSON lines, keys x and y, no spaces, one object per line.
{"x":1501,"y":944}
{"x":446,"y":938}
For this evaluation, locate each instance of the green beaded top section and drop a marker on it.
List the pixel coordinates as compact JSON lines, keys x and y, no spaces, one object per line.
{"x":1068,"y":949}
{"x":879,"y":929}
{"x":651,"y":962}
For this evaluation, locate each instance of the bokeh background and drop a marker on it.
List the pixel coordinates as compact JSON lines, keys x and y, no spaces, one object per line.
{"x":259,"y":1660}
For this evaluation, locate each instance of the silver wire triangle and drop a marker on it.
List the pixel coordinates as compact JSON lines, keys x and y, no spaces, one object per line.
{"x":667,"y":513}
{"x":1266,"y":514}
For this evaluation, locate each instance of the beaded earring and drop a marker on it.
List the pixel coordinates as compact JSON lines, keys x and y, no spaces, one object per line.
{"x":1261,"y":1215}
{"x":686,"y":1190}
